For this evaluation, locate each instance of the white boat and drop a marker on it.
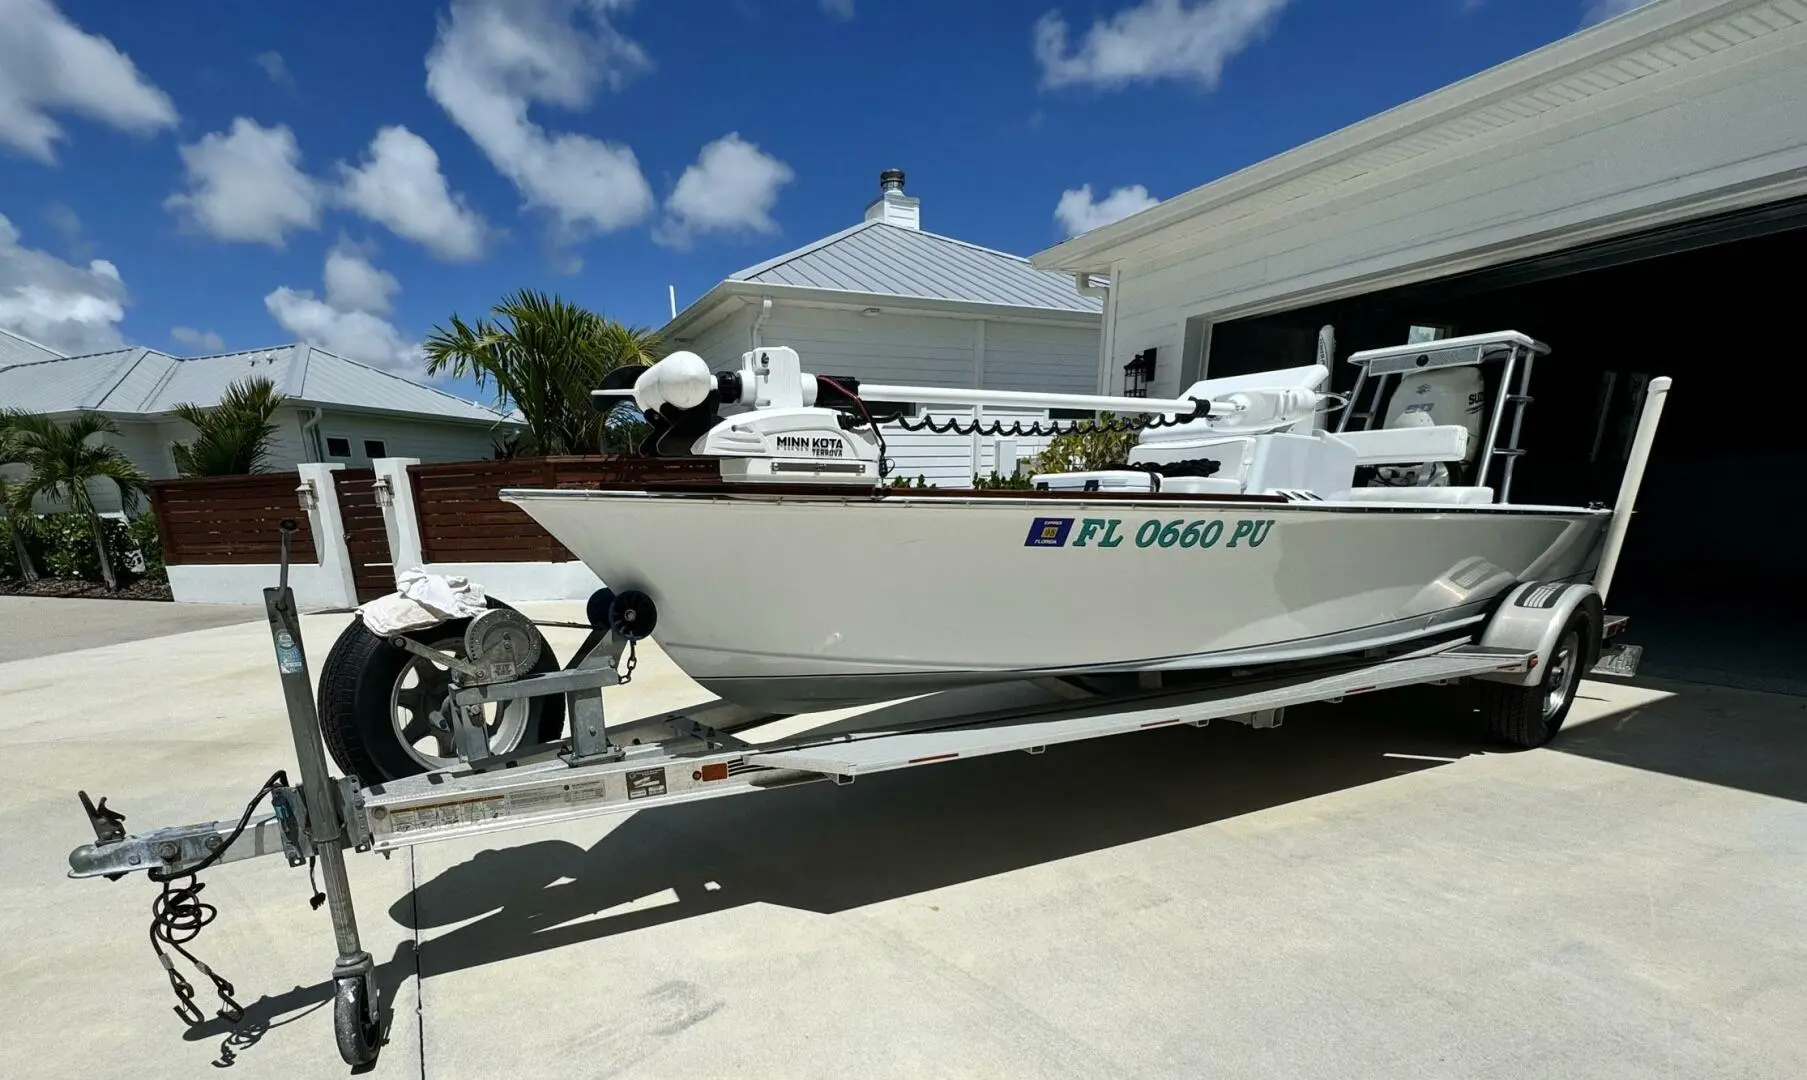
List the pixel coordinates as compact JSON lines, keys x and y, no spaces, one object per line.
{"x":1246,"y":530}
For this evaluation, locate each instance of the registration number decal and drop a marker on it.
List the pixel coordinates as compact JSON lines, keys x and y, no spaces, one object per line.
{"x":1151,"y":532}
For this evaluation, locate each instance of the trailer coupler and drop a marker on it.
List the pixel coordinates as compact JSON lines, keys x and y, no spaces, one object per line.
{"x":182,"y":849}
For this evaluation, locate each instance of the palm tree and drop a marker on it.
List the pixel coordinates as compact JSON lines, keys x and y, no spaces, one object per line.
{"x":233,"y":437}
{"x":21,"y":524}
{"x":542,"y":355}
{"x":64,"y":459}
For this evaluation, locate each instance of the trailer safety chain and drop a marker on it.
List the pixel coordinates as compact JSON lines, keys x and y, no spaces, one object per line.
{"x":633,"y":661}
{"x":178,"y":915}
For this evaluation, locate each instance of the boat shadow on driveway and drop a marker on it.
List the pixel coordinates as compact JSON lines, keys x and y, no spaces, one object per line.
{"x":828,"y":849}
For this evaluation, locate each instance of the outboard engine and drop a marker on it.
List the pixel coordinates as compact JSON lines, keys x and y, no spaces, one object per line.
{"x":1445,"y":396}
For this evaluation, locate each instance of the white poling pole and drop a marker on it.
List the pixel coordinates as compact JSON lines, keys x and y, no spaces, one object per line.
{"x":1633,"y":479}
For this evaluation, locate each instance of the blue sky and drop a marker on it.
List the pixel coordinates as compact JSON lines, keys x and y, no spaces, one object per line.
{"x":235,"y":175}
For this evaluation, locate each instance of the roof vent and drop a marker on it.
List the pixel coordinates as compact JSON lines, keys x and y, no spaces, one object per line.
{"x":892,"y":206}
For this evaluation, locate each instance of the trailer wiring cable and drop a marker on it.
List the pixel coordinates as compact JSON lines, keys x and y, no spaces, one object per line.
{"x":178,"y":915}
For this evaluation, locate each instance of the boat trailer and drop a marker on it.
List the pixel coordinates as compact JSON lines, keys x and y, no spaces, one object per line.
{"x":678,"y":757}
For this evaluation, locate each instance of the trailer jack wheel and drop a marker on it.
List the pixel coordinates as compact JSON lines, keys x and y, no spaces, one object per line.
{"x":356,"y":1023}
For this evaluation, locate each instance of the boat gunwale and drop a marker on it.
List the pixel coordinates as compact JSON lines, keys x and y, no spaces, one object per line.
{"x":777,"y":494}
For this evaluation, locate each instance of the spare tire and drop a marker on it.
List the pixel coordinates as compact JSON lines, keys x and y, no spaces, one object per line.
{"x":377,"y":702}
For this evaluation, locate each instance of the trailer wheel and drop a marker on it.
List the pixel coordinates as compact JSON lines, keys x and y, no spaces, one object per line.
{"x":1530,"y":716}
{"x":377,"y":705}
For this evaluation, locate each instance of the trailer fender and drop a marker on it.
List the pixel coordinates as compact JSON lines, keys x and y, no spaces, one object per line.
{"x":1532,"y":618}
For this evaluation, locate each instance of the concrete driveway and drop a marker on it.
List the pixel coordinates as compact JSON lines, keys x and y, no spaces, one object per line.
{"x":45,"y":626}
{"x":1360,"y":893}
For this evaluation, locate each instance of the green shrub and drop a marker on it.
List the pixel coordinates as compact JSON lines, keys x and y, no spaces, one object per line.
{"x":9,"y":560}
{"x":142,"y":534}
{"x":1085,"y":451}
{"x":66,"y":546}
{"x":904,"y":482}
{"x":1017,"y":481}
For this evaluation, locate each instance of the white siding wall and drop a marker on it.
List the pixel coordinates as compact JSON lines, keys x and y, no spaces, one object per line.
{"x":1643,"y":151}
{"x":886,"y":347}
{"x":725,"y":340}
{"x":1049,"y":359}
{"x":421,"y":439}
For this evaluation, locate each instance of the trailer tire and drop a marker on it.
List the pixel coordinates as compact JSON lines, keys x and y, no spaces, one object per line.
{"x":357,"y":707}
{"x":1527,"y":717}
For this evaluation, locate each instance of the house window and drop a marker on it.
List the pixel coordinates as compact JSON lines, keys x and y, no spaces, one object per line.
{"x":338,"y":446}
{"x":374,"y":448}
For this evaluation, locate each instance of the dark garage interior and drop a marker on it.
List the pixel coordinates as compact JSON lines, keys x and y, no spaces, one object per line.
{"x":1712,"y":570}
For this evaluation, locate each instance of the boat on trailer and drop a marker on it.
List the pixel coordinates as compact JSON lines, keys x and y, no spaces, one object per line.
{"x":1250,"y":558}
{"x":1244,"y":530}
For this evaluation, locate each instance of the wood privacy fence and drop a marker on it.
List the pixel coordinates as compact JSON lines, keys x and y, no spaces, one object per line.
{"x":462,"y":520}
{"x":229,"y":519}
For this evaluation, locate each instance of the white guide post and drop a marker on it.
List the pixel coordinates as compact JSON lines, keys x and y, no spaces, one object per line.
{"x":337,"y":588}
{"x":1634,"y":477}
{"x":401,"y":520}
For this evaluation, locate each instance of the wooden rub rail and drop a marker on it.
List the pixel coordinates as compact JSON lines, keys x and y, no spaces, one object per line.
{"x":229,"y":519}
{"x":462,"y":520}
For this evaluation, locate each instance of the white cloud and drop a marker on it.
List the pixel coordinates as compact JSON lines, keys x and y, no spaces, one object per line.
{"x":1602,"y":10}
{"x":731,"y":188}
{"x":246,"y":184}
{"x":1077,"y":212}
{"x":349,"y":321}
{"x":205,"y":340}
{"x":69,"y":308}
{"x":353,"y":284}
{"x":399,"y":185}
{"x":839,"y":9}
{"x":1155,"y":39}
{"x":48,"y":65}
{"x":276,"y":68}
{"x":493,"y":59}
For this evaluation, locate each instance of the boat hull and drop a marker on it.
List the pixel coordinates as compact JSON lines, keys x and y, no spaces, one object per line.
{"x":799,"y":603}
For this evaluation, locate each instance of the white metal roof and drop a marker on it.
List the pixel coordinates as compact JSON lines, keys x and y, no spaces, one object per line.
{"x":146,"y":381}
{"x":19,"y":349}
{"x":1521,"y":94}
{"x":877,"y":258}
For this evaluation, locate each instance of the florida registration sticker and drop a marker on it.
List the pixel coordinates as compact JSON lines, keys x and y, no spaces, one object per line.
{"x":1049,"y":532}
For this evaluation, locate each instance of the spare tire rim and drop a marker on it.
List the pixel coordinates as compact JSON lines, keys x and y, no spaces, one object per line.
{"x":1559,"y":682}
{"x":417,"y":704}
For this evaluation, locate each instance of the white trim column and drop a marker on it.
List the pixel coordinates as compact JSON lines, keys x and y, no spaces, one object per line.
{"x":337,"y":589}
{"x":400,"y":518}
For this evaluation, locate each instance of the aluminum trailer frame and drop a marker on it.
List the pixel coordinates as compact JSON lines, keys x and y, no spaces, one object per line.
{"x":678,"y":757}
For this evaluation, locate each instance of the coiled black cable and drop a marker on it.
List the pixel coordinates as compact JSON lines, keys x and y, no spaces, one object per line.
{"x":956,"y":426}
{"x":178,"y":915}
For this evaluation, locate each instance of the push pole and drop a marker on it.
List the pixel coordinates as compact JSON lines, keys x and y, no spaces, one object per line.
{"x":1633,"y":479}
{"x":355,"y":1017}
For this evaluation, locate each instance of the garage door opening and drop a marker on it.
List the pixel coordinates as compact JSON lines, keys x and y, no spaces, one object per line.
{"x":1712,"y":571}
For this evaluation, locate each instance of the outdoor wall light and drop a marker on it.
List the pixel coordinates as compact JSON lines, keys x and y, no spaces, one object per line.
{"x":384,"y":495}
{"x":307,"y":496}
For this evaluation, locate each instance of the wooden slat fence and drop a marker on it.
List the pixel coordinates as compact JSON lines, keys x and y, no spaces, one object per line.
{"x":462,"y":520}
{"x":230,"y":519}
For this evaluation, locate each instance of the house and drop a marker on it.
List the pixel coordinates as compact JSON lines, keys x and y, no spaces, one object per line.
{"x":1635,"y":195}
{"x":887,"y":301}
{"x":337,"y":409}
